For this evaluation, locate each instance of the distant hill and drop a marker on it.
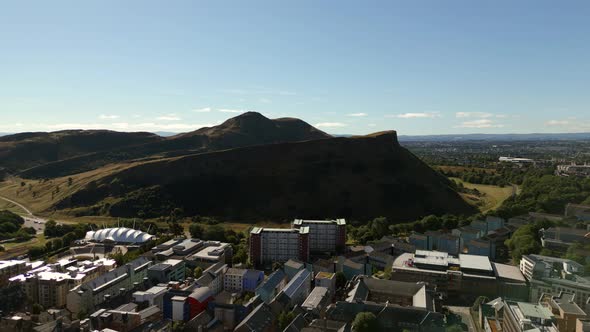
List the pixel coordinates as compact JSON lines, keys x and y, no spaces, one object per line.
{"x":360,"y":177}
{"x":247,"y":129}
{"x":25,"y":150}
{"x":495,"y":137}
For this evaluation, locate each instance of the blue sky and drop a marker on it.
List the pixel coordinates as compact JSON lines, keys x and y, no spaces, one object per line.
{"x":419,"y":67}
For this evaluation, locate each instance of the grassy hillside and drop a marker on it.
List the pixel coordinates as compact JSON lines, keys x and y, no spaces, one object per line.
{"x":491,"y":197}
{"x":359,"y":178}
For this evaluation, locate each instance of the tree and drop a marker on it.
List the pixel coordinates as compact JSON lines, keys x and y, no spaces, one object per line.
{"x":196,"y":231}
{"x":176,"y":228}
{"x":37,"y":308}
{"x":198,"y":272}
{"x":70,"y":181}
{"x":178,"y":326}
{"x":285,"y":318}
{"x":214,"y":232}
{"x":340,"y":279}
{"x":188,"y":272}
{"x":365,"y":322}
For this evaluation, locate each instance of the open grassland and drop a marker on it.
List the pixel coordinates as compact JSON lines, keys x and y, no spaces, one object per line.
{"x":39,"y":196}
{"x":5,"y":205}
{"x":490,"y":198}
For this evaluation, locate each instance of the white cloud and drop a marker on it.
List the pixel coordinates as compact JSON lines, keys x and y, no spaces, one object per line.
{"x":483,"y":115}
{"x":422,"y":115}
{"x":554,"y":123}
{"x":481,"y":123}
{"x":169,"y":117}
{"x":108,"y":117}
{"x":330,"y":124}
{"x":358,"y":114}
{"x":202,"y":110}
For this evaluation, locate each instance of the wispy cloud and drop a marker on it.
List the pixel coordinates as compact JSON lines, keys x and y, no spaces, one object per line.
{"x":483,"y":115}
{"x":108,"y":117}
{"x":202,"y":110}
{"x":330,"y":124}
{"x":481,"y":123}
{"x":422,"y":115}
{"x":169,"y":117}
{"x":358,"y":114}
{"x":555,"y":123}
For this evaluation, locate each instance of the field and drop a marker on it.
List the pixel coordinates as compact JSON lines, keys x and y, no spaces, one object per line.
{"x":491,"y":196}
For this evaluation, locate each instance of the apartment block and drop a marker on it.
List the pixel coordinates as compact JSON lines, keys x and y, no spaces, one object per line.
{"x":325,"y":236}
{"x":269,"y":245}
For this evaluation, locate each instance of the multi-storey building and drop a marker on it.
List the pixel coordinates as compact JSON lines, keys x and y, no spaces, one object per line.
{"x":11,"y":268}
{"x":90,"y":295}
{"x":324,"y":235}
{"x":269,"y":245}
{"x":555,"y":275}
{"x":233,"y":281}
{"x":169,"y":270}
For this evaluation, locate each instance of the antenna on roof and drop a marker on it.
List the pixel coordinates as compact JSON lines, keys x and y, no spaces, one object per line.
{"x":133,"y":223}
{"x":148,"y":230}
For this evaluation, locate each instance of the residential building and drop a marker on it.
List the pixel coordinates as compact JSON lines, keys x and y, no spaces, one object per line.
{"x":578,"y":211}
{"x":93,"y":293}
{"x":420,"y":241}
{"x":298,"y":289}
{"x":327,"y":280}
{"x":252,"y":279}
{"x":482,"y":247}
{"x":413,"y":294}
{"x":260,"y":319}
{"x":152,"y":297}
{"x":11,"y":268}
{"x":325,"y":236}
{"x":169,"y":270}
{"x":213,"y":277}
{"x":523,"y":316}
{"x":317,"y":300}
{"x":269,"y":245}
{"x":565,"y":310}
{"x":292,"y":267}
{"x":124,"y":318}
{"x":561,"y":238}
{"x":234,"y":280}
{"x":269,"y":288}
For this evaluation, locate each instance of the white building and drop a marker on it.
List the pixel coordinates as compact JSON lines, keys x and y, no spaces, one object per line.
{"x":233,"y":281}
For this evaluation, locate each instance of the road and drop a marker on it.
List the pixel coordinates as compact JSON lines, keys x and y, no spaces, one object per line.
{"x":30,"y":219}
{"x":465,"y":317}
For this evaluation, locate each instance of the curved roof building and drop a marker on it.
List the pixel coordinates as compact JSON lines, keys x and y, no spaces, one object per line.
{"x":118,"y":235}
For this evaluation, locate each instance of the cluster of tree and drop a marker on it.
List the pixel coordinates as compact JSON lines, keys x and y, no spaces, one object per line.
{"x":11,"y":227}
{"x":78,"y":231}
{"x":479,"y":176}
{"x":579,"y":253}
{"x":217,"y":232}
{"x":526,"y":239}
{"x":546,"y":193}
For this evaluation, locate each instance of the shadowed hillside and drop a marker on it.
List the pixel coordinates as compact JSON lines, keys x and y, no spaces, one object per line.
{"x":247,"y":129}
{"x":360,"y":177}
{"x":25,"y":150}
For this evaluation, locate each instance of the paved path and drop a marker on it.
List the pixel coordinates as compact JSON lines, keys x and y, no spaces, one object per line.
{"x":30,"y":219}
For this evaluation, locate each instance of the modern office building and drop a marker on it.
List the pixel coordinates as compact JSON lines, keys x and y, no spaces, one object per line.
{"x":554,"y":275}
{"x":169,"y":270}
{"x":469,"y":275}
{"x":325,"y":236}
{"x":269,"y":245}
